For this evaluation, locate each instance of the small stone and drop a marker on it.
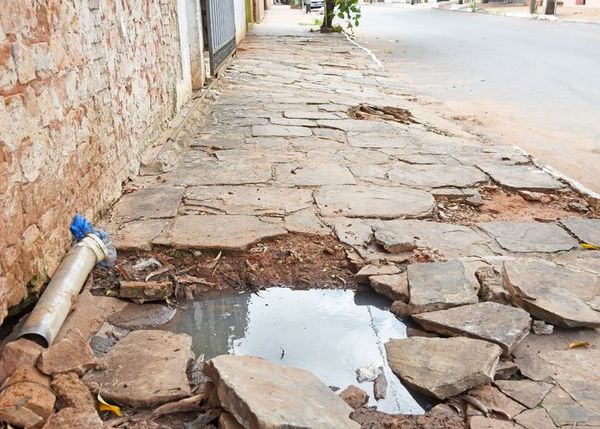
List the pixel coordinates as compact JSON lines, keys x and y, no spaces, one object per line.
{"x":145,"y":291}
{"x":475,"y":200}
{"x":375,"y":270}
{"x":246,"y":386}
{"x":72,"y":392}
{"x":535,"y":196}
{"x":71,"y":354}
{"x":443,"y":367}
{"x":501,"y":324}
{"x":21,"y":352}
{"x":74,"y":418}
{"x":529,"y":237}
{"x":146,"y":316}
{"x":401,"y":309}
{"x":354,"y":396}
{"x":505,"y":370}
{"x":19,"y":411}
{"x":439,"y":285}
{"x":394,"y":287}
{"x":380,"y":386}
{"x":539,"y":327}
{"x":526,"y":392}
{"x":144,"y":369}
{"x":491,"y":286}
{"x":578,"y":207}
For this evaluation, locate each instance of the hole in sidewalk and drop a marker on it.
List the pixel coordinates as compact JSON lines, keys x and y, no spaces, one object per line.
{"x":365,"y":111}
{"x":331,"y":333}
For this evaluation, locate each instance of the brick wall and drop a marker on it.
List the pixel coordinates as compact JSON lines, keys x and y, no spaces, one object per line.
{"x":85,"y":87}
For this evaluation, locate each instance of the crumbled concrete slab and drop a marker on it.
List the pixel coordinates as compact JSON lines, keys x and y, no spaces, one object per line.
{"x":529,"y":237}
{"x":527,"y":392}
{"x":500,"y":324}
{"x":374,"y":202}
{"x":436,"y":176}
{"x":313,"y":174}
{"x":439,"y":285}
{"x":144,"y":369}
{"x":586,"y":230}
{"x":522,"y":177}
{"x":443,"y":367}
{"x":149,"y":203}
{"x":227,"y":232}
{"x":553,"y":293}
{"x":397,"y":236}
{"x":247,"y":386}
{"x":247,"y":200}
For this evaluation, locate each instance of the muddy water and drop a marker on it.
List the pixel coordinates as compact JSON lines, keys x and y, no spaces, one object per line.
{"x":328,"y":332}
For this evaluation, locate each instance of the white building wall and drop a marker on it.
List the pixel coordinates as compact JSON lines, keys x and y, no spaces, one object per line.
{"x":239,"y":7}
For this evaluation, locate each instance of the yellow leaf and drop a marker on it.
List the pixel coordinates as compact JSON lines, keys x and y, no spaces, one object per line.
{"x":575,"y":344}
{"x":588,"y":246}
{"x":105,"y":406}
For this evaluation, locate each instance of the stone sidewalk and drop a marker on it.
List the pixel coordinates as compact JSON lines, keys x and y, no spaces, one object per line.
{"x":278,"y":153}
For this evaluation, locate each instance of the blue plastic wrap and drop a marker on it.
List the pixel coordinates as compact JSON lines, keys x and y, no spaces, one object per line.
{"x":80,"y":227}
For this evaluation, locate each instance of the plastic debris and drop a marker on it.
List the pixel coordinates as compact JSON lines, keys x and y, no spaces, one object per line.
{"x":105,"y":406}
{"x":142,"y":264}
{"x":367,"y":373}
{"x":80,"y":227}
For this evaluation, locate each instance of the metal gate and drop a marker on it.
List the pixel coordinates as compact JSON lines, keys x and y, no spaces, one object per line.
{"x":220,"y":17}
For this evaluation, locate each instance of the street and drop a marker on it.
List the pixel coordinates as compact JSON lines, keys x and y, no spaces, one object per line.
{"x":529,"y":83}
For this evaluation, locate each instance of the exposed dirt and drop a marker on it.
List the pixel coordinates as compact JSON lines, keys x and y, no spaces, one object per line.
{"x":294,"y":260}
{"x":366,"y":111}
{"x":504,"y":205}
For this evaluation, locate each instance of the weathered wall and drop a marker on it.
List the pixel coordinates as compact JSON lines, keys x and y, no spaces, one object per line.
{"x":85,"y":86}
{"x":239,"y":7}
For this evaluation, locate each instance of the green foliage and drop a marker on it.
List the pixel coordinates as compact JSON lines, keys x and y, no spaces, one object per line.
{"x":348,"y":10}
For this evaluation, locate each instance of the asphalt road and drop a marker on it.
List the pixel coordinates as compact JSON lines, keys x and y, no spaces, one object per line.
{"x":534,"y":84}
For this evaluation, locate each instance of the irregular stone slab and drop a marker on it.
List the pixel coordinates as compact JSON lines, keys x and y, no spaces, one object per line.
{"x":262,"y":395}
{"x":522,"y":177}
{"x":373,"y":140}
{"x":553,"y":293}
{"x":313,"y":174}
{"x":537,"y":418}
{"x":375,"y":270}
{"x":227,"y":232}
{"x":526,"y":392}
{"x":294,"y":122}
{"x":586,"y":230}
{"x":280,"y":131}
{"x":149,"y":203}
{"x":72,"y":392}
{"x":142,"y":316}
{"x":71,"y":354}
{"x":394,"y":287}
{"x":373,"y":201}
{"x":452,"y":241}
{"x":501,"y":324}
{"x":21,"y":352}
{"x":482,"y":422}
{"x":529,"y":237}
{"x":281,"y":154}
{"x":349,"y":125}
{"x":494,"y":399}
{"x":138,"y":234}
{"x":144,"y":369}
{"x":439,"y":285}
{"x":354,"y":396}
{"x":247,"y":200}
{"x":211,"y":172}
{"x":26,"y":404}
{"x":305,"y":221}
{"x":564,"y":410}
{"x":309,"y":114}
{"x":74,"y":418}
{"x":443,"y":367}
{"x":436,"y":176}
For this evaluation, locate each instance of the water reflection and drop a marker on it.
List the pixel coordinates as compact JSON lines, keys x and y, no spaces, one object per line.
{"x":328,"y":332}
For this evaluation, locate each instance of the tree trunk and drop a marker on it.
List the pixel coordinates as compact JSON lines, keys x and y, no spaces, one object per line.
{"x":328,"y":16}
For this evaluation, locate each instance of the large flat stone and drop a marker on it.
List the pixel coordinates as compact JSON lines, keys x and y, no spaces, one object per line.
{"x":522,"y":177}
{"x":436,"y":176}
{"x":536,"y":418}
{"x":553,"y":293}
{"x":397,"y":236}
{"x":443,"y":367}
{"x":439,"y":285}
{"x":527,"y":392}
{"x":373,"y":201}
{"x":138,"y":234}
{"x":501,"y":324}
{"x":313,"y":174}
{"x":529,"y":237}
{"x":492,"y":398}
{"x":247,"y":200}
{"x":144,"y":369}
{"x":227,"y":232}
{"x":212,"y":172}
{"x":586,"y":230}
{"x":149,"y":203}
{"x":280,"y":131}
{"x":262,"y":395}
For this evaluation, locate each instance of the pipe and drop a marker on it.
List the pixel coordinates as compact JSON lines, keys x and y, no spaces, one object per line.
{"x":54,"y":306}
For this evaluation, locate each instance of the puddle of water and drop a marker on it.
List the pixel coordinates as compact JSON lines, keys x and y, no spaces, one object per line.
{"x":328,"y":332}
